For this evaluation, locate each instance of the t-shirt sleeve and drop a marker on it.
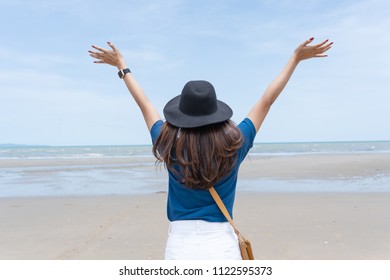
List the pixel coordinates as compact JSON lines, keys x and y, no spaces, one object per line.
{"x":155,"y":130}
{"x":248,"y":133}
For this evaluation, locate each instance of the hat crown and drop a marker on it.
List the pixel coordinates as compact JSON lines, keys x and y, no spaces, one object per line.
{"x":196,"y":106}
{"x":198,"y":98}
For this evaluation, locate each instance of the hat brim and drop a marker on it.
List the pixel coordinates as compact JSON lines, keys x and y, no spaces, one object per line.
{"x":177,"y":118}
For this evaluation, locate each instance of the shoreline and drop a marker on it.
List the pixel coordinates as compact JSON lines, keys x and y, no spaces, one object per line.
{"x":348,"y":164}
{"x":140,"y":175}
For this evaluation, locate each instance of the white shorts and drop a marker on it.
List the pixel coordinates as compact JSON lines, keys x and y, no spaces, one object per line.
{"x":201,"y":240}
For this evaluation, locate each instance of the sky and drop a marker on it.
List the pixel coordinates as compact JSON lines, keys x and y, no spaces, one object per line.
{"x":51,"y":93}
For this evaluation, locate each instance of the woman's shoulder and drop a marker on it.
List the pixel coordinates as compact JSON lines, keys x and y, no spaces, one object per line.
{"x":248,"y":132}
{"x":247,"y":127}
{"x":155,"y":130}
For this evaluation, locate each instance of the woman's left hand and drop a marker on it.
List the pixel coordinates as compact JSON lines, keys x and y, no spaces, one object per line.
{"x":112,"y":57}
{"x":304,"y":51}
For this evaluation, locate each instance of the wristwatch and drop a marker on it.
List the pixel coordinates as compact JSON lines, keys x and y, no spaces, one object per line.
{"x":122,"y":73}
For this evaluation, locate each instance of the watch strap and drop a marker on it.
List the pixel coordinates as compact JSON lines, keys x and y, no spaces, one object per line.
{"x":122,"y":73}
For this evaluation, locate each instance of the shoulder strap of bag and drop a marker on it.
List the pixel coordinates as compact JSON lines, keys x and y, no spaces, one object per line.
{"x":222,"y":207}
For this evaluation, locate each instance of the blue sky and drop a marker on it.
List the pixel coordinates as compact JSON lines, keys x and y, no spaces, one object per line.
{"x":51,"y":92}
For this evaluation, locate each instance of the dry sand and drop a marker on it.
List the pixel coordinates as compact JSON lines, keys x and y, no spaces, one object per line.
{"x":280,"y":226}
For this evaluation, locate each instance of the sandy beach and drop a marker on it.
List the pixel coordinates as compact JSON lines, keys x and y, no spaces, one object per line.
{"x":280,"y":225}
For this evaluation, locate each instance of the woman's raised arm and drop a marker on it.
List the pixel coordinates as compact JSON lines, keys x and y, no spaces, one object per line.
{"x":304,"y":51}
{"x":114,"y":57}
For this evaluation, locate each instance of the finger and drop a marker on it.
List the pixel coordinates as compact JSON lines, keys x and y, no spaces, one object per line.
{"x":95,"y":55}
{"x":321,"y":44}
{"x":99,"y":49}
{"x":308,"y":41}
{"x":325,"y":47}
{"x":112,"y":46}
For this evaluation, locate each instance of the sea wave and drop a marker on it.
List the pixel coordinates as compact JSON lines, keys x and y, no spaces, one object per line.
{"x":145,"y":151}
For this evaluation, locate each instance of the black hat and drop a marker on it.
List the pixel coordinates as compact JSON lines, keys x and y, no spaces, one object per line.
{"x":196,"y":106}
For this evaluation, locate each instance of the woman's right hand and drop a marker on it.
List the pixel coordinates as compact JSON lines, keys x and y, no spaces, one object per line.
{"x":306,"y":51}
{"x":112,"y":57}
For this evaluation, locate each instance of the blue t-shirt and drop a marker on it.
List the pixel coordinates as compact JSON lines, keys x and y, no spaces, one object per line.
{"x":188,"y":204}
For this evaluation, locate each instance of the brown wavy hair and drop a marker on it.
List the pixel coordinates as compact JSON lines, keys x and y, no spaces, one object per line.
{"x":200,"y":156}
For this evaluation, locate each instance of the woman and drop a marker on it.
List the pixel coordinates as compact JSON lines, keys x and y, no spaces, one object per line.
{"x":202,"y":148}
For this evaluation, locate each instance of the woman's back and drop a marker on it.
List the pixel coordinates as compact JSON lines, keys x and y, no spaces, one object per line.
{"x":191,"y":203}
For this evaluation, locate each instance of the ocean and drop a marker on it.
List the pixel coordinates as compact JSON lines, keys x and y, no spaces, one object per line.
{"x":130,"y":170}
{"x":267,"y":149}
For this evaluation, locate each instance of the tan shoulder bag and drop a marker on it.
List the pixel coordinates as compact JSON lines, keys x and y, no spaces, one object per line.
{"x":245,"y":245}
